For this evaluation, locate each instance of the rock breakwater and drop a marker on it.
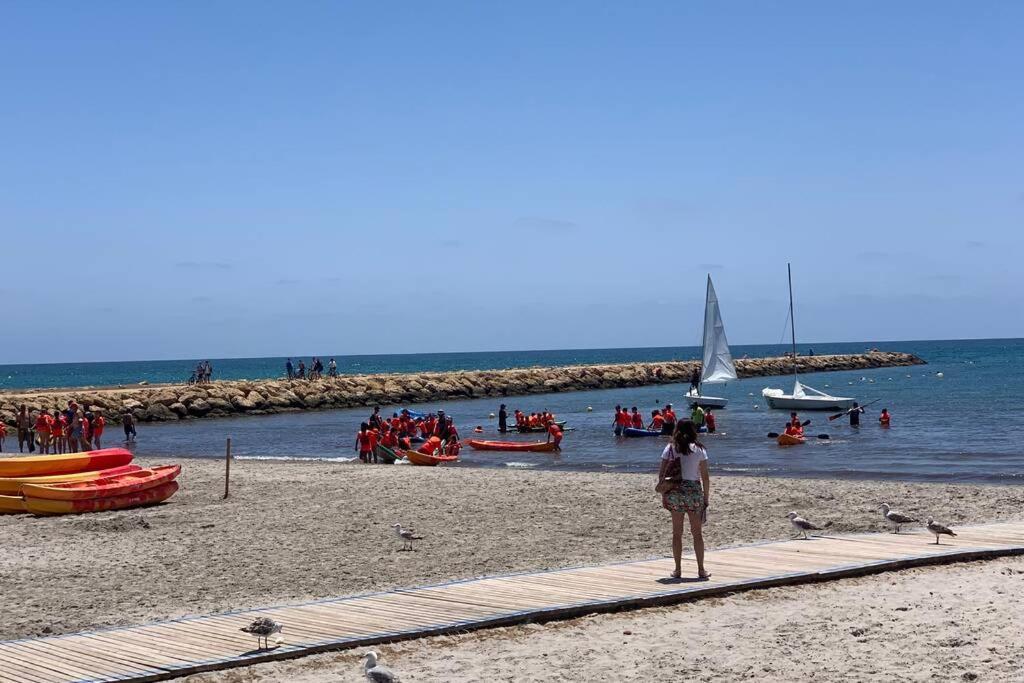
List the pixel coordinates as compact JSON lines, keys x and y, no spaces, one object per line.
{"x":261,"y":397}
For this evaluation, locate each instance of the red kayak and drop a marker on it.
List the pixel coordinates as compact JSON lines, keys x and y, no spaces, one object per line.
{"x":417,"y":458}
{"x":65,"y":463}
{"x":157,"y":494}
{"x":107,"y":487}
{"x":532,"y":446}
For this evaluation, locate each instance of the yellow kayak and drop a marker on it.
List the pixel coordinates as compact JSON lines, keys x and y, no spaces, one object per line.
{"x":67,"y":463}
{"x":11,"y":486}
{"x":11,"y":505}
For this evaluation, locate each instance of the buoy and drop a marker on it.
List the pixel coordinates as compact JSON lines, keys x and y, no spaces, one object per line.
{"x":826,"y":386}
{"x":756,"y":406}
{"x":939,"y":375}
{"x":871,"y":381}
{"x":751,"y":393}
{"x":590,"y":409}
{"x":491,"y":416}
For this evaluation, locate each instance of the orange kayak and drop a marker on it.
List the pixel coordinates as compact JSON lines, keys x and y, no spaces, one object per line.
{"x":417,"y":458}
{"x":107,"y":487}
{"x":532,"y":446}
{"x":11,"y":486}
{"x":67,"y":463}
{"x":10,"y":505}
{"x":787,"y":440}
{"x":157,"y":494}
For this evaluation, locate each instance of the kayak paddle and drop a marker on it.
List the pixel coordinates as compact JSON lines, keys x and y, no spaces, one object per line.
{"x":847,"y":412}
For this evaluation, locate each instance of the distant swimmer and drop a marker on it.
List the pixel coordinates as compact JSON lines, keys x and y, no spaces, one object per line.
{"x":884,"y":419}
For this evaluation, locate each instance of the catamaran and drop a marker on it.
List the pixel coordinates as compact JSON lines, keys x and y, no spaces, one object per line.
{"x":717,"y":365}
{"x":803,"y":396}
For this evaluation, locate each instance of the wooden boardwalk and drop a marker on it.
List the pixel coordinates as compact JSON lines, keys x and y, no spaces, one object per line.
{"x":170,"y":649}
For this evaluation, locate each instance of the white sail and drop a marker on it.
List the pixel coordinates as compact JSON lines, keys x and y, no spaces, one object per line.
{"x":718,"y":366}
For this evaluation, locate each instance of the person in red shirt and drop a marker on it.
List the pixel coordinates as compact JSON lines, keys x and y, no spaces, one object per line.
{"x":555,"y":434}
{"x":364,"y":442}
{"x":374,"y":440}
{"x":3,"y":435}
{"x":43,"y":422}
{"x":657,"y":421}
{"x":794,"y":429}
{"x":98,"y":423}
{"x":636,"y":420}
{"x":670,"y":419}
{"x":709,"y":421}
{"x":621,"y":420}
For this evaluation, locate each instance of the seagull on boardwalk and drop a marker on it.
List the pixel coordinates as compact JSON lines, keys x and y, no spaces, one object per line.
{"x":263,"y":628}
{"x":802,"y":525}
{"x":406,"y":535}
{"x":375,"y":672}
{"x":896,"y":518}
{"x":939,"y":530}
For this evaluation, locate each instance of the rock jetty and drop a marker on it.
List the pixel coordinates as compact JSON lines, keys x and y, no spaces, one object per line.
{"x":261,"y":397}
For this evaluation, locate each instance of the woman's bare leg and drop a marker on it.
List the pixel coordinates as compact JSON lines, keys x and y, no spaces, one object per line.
{"x":677,"y":540}
{"x":698,"y":540}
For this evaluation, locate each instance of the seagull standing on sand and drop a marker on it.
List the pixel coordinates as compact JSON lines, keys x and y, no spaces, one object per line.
{"x":939,"y":530}
{"x":375,"y":672}
{"x":406,"y":535}
{"x":802,"y":525}
{"x":263,"y":628}
{"x":896,"y":518}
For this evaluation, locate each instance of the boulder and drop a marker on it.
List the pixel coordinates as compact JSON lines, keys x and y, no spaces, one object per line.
{"x":179,"y":409}
{"x":199,"y":407}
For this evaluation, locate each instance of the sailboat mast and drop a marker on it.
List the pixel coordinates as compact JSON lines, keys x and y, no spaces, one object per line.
{"x":792,"y":322}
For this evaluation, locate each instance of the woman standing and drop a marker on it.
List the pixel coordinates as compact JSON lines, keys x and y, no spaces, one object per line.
{"x":685,"y":486}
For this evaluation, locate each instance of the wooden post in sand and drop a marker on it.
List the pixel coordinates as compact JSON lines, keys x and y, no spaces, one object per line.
{"x":227,"y":467}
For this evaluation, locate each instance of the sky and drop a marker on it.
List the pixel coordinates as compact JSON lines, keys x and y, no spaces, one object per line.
{"x":235,"y":179}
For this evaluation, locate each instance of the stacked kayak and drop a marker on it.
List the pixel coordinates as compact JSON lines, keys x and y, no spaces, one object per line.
{"x":66,"y":463}
{"x":788,"y":440}
{"x":633,"y":432}
{"x":82,"y":482}
{"x":533,"y":447}
{"x":417,"y":458}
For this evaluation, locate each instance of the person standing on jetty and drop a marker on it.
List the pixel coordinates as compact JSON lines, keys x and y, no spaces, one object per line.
{"x":502,"y":419}
{"x":289,"y":369}
{"x":685,"y":486}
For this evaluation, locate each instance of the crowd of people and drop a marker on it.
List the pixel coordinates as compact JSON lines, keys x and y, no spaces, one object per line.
{"x":70,"y":430}
{"x":436,"y":431}
{"x":314,"y":371}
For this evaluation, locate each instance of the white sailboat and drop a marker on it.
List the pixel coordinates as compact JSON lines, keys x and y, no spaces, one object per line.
{"x":717,"y":366}
{"x":803,"y":396}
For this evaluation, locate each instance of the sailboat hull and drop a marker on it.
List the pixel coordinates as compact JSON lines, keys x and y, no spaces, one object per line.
{"x":788,"y":402}
{"x":695,"y":399}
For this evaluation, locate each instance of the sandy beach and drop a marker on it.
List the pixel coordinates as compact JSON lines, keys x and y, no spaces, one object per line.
{"x":296,"y":531}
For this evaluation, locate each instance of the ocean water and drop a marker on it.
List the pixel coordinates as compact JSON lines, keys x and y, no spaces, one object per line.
{"x":966,"y":425}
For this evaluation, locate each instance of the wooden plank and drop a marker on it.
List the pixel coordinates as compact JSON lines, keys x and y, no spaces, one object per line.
{"x":24,"y":668}
{"x":86,"y":661}
{"x":41,"y":662}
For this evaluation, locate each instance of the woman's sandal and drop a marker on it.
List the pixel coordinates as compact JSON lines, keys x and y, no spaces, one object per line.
{"x":703,"y":576}
{"x":677,"y":574}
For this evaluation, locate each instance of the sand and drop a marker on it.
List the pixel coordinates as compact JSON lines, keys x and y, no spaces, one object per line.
{"x":296,"y":531}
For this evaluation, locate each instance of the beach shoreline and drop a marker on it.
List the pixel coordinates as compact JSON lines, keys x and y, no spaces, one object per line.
{"x":294,"y":531}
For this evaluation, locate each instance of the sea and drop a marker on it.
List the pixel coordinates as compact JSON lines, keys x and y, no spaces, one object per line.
{"x":960,"y":418}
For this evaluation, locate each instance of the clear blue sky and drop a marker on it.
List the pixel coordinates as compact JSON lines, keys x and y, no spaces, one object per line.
{"x":252,"y":178}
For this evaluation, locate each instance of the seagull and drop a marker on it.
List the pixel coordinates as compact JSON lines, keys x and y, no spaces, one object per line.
{"x":375,"y":672}
{"x":406,"y":535}
{"x":938,"y":530}
{"x":897,"y":518}
{"x":802,"y":525}
{"x":263,"y":628}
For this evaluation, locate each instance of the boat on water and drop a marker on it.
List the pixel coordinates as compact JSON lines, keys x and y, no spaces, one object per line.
{"x":716,"y":363}
{"x":803,"y":397}
{"x":790,"y":440}
{"x":533,"y":447}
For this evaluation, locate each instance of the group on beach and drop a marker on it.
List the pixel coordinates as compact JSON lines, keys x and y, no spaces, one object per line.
{"x":436,"y":431}
{"x":315,"y":370}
